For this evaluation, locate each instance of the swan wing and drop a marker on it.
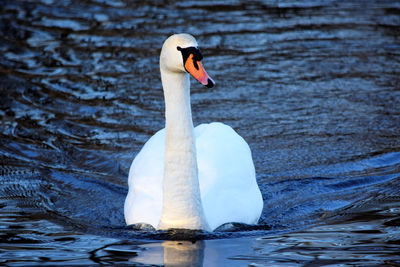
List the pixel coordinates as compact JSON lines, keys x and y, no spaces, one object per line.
{"x":228,"y":185}
{"x":143,"y":203}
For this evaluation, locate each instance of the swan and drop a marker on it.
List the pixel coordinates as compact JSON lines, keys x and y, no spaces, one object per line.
{"x":185,"y":177}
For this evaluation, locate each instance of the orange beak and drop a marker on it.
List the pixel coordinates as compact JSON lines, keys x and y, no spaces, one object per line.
{"x":196,"y":69}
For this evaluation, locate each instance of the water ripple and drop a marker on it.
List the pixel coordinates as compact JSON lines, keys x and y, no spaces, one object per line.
{"x":312,"y":86}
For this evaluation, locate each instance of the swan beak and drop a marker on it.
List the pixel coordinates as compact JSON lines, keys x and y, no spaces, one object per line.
{"x":196,"y":69}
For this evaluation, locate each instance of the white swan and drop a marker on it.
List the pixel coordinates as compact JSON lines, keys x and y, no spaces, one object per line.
{"x":185,"y":177}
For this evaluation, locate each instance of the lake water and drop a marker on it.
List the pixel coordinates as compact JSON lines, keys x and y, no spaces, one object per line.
{"x":312,"y":86}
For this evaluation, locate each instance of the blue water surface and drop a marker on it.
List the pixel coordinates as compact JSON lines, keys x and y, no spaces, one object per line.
{"x":312,"y":86}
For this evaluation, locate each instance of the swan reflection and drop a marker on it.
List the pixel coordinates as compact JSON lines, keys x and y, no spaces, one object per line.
{"x":173,"y":253}
{"x":183,"y":253}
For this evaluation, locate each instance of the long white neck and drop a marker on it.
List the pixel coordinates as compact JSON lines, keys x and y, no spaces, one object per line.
{"x":182,"y":207}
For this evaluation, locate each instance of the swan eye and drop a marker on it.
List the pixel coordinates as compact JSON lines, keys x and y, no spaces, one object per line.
{"x":192,"y":63}
{"x":186,"y":52}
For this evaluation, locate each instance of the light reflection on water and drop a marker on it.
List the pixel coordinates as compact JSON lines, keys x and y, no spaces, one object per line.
{"x":313,"y":87}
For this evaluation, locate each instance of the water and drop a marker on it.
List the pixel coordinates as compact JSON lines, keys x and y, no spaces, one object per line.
{"x":314,"y":88}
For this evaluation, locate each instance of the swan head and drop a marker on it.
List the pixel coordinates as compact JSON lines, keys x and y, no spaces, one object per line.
{"x":180,"y":53}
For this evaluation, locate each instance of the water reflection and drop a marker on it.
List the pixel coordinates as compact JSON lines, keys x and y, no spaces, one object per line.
{"x":183,"y":253}
{"x":172,"y":253}
{"x":219,"y":252}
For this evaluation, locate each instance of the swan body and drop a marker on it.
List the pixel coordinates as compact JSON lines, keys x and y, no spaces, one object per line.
{"x":185,"y":177}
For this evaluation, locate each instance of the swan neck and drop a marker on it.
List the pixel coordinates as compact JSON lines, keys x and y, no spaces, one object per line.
{"x":182,"y":207}
{"x":178,"y":114}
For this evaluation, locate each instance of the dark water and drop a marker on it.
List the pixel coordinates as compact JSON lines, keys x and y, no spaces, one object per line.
{"x":314,"y":87}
